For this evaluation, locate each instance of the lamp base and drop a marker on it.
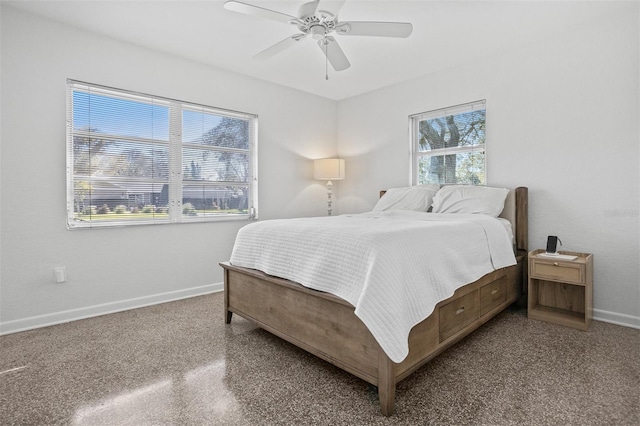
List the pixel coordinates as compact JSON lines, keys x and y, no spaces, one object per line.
{"x":329,"y":197}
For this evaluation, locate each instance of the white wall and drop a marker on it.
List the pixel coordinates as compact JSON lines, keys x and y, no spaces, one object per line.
{"x":111,"y":269}
{"x":562,"y":119}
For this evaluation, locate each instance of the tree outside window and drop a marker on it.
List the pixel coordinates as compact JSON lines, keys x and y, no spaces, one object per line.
{"x":449,"y":145}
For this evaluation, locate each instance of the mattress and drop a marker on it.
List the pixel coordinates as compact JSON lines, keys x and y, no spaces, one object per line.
{"x":392,"y":266}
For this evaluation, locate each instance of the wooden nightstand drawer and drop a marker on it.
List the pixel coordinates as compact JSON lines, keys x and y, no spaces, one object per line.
{"x":456,"y":315}
{"x":566,"y":271}
{"x":491,"y":295}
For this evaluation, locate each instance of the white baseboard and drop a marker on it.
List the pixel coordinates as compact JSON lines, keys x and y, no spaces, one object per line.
{"x":616,"y":318}
{"x":105,"y":308}
{"x":124,"y":305}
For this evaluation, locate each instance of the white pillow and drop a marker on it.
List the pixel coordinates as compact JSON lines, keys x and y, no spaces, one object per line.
{"x":417,"y":198}
{"x":470,"y":199}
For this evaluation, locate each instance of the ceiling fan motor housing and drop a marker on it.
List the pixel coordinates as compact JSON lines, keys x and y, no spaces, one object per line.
{"x":317,"y":26}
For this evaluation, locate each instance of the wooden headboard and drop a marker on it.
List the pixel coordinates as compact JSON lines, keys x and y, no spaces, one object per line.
{"x":516,"y":211}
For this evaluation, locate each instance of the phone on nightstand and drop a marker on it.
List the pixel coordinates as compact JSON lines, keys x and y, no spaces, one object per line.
{"x":552,"y":244}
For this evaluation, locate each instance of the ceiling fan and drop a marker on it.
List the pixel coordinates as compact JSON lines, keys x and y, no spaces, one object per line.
{"x":319,"y":19}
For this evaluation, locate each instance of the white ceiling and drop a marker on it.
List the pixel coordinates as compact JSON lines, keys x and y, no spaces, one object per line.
{"x":446,"y":34}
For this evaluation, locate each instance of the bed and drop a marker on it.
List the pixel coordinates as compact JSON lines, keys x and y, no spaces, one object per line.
{"x":328,"y":326}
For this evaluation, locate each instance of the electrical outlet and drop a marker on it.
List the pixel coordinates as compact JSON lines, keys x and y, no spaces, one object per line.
{"x":59,"y":274}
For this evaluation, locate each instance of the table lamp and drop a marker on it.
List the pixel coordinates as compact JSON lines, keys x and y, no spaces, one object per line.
{"x":329,"y":169}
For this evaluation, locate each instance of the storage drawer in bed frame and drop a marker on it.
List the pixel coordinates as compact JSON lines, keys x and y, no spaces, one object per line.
{"x":459,"y":313}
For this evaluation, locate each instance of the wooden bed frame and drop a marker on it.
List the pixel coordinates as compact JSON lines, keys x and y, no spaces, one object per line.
{"x":326,"y":326}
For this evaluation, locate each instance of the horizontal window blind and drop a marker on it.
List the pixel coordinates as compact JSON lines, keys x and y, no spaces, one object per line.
{"x":480,"y":105}
{"x":140,"y":159}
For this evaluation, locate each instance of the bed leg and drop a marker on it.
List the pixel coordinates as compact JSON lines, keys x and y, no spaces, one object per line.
{"x":227,"y":313}
{"x":386,"y":383}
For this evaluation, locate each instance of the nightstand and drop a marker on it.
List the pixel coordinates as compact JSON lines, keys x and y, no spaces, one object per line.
{"x":561,"y":290}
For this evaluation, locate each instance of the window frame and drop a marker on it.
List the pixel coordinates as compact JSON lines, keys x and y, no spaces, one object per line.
{"x":175,"y":146}
{"x":414,"y":138}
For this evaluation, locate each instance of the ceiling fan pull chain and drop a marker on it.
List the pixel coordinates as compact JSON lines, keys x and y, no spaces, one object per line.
{"x":326,"y":62}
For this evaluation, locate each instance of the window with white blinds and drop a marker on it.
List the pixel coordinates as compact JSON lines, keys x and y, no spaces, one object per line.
{"x":140,"y":159}
{"x":448,"y":145}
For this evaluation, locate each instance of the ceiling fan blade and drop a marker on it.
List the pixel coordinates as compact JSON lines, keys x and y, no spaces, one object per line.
{"x":331,"y":6}
{"x":308,"y":9}
{"x":334,"y":53}
{"x":379,"y":29}
{"x":249,"y":9}
{"x":279,"y":47}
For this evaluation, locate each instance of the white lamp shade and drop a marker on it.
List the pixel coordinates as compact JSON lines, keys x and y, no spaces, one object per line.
{"x":328,"y":169}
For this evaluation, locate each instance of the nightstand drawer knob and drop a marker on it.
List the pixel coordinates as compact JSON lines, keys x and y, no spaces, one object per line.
{"x":494,"y":291}
{"x":460,"y":310}
{"x":555,"y":263}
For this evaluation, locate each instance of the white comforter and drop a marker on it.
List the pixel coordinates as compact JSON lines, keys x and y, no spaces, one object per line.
{"x":393,"y":266}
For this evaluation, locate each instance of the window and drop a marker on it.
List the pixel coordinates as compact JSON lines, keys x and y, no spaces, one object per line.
{"x":448,"y":145}
{"x":139,"y":159}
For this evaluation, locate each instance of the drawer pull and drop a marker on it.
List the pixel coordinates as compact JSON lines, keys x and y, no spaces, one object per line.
{"x":460,"y":310}
{"x":494,"y":291}
{"x":555,"y":263}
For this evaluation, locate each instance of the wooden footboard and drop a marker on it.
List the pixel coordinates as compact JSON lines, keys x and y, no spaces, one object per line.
{"x":326,"y":325}
{"x":317,"y":322}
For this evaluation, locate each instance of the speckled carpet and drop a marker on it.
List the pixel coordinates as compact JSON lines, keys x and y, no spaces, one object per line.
{"x":179,"y":364}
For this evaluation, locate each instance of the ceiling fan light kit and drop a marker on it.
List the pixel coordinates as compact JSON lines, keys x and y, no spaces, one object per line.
{"x":318,"y":32}
{"x":319,"y":19}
